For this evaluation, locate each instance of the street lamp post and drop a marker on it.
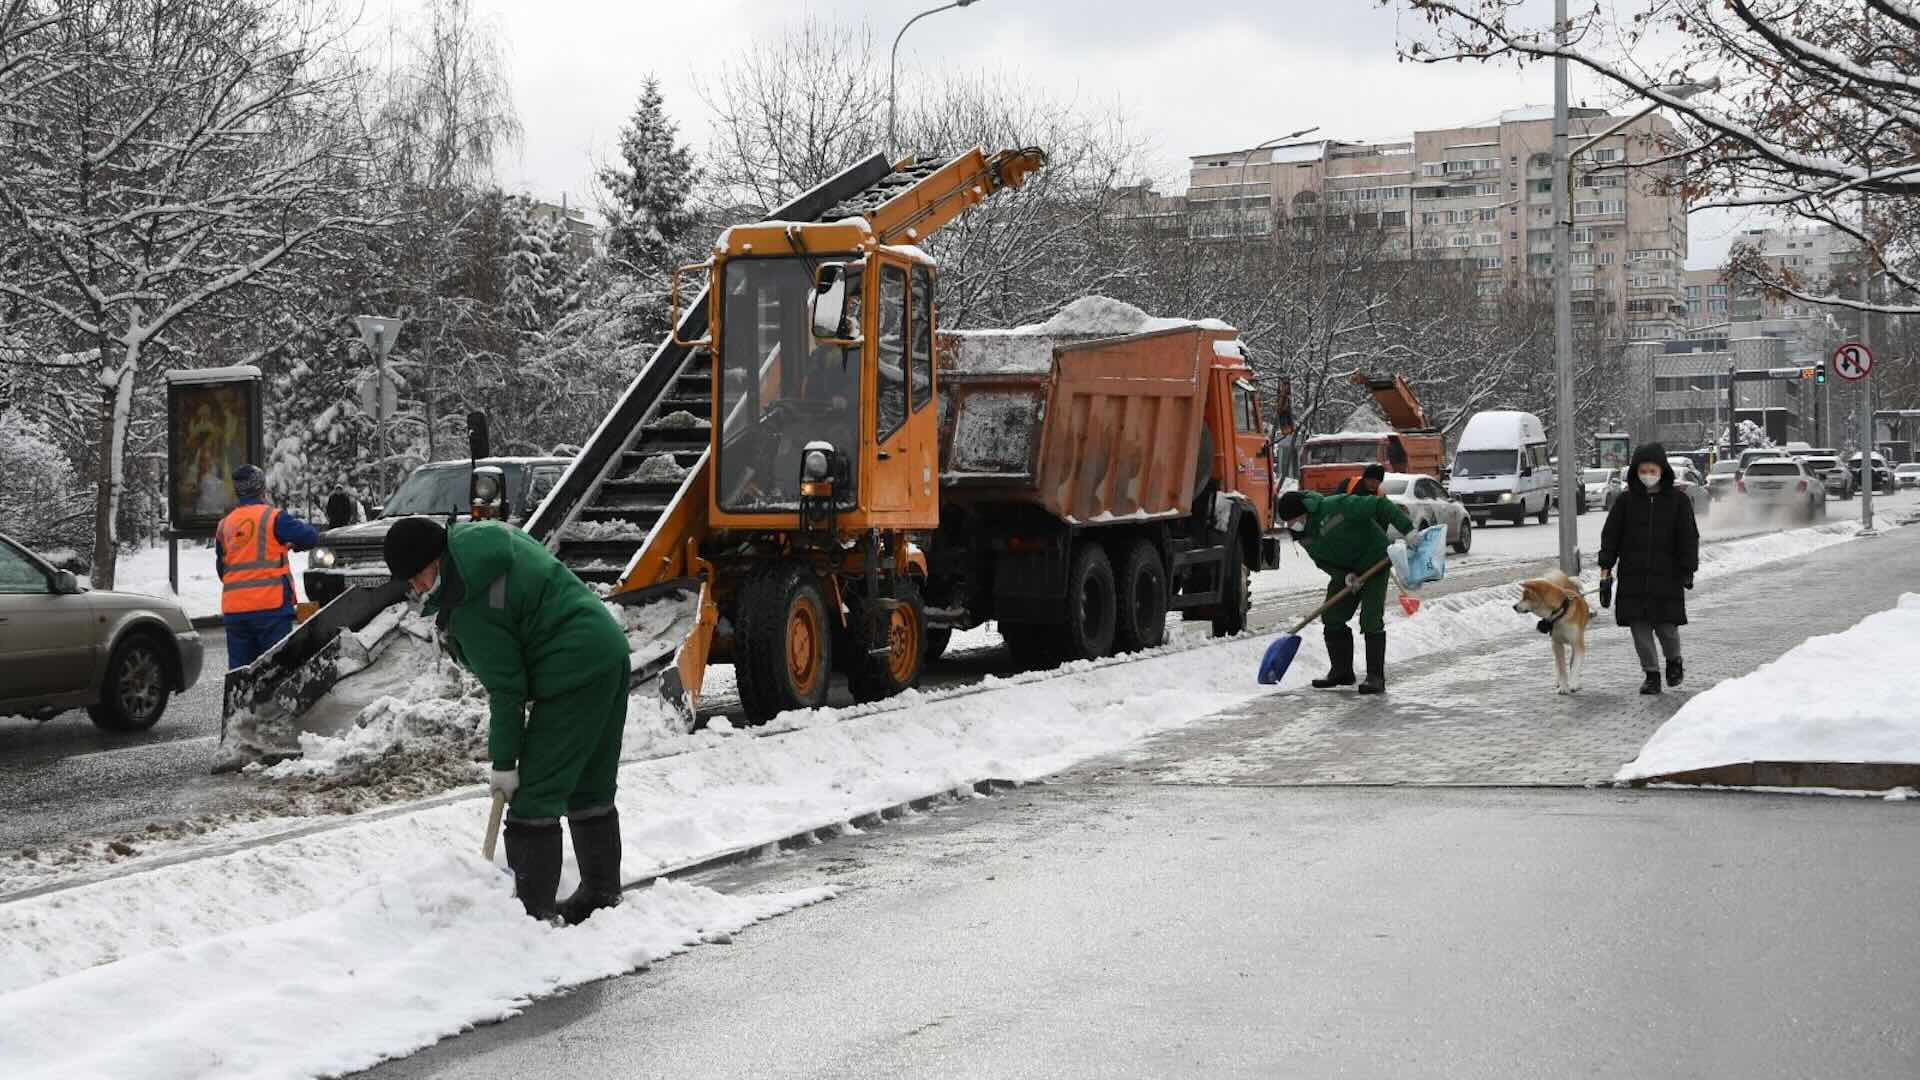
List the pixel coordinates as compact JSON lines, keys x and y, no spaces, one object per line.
{"x":893,"y":62}
{"x":1563,"y":159}
{"x":1240,"y":185}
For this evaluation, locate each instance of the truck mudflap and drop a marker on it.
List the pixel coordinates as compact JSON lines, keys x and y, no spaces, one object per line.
{"x":351,"y":653}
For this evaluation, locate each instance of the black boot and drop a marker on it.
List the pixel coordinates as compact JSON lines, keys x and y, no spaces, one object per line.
{"x":1652,"y":685}
{"x":1339,"y":659}
{"x":533,"y":854}
{"x":1376,"y":681}
{"x":1675,"y":672}
{"x":596,"y":847}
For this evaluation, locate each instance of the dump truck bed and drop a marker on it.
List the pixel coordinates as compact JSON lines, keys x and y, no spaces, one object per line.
{"x":1093,"y":430}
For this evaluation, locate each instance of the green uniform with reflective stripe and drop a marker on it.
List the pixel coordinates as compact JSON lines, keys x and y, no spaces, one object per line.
{"x":1347,"y":534}
{"x":552,"y":658}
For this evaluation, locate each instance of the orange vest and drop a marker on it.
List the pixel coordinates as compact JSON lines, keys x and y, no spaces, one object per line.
{"x":257,"y":576}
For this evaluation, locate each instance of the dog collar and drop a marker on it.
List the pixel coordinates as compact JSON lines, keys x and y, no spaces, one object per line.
{"x":1547,"y":624}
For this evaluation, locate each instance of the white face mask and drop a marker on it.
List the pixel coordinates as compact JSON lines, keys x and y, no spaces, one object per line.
{"x":1649,"y":480}
{"x":1297,"y":526}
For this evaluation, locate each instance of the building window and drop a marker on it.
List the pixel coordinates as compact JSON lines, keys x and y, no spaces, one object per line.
{"x":1486,"y":238}
{"x":1491,"y":262}
{"x":1716,"y":290}
{"x":1460,"y":240}
{"x":1606,"y":258}
{"x":1513,"y":234}
{"x":1489,"y":213}
{"x":1393,"y":217}
{"x":1605,"y":155}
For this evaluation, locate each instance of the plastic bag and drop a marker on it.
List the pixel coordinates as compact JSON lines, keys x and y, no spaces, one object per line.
{"x":1419,"y":559}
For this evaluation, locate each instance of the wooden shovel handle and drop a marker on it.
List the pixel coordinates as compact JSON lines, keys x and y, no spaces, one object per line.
{"x":1337,"y":597}
{"x":493,"y":825}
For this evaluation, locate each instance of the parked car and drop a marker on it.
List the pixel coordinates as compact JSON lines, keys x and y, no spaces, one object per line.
{"x":1689,"y":482}
{"x":1882,"y":474}
{"x":1428,"y":503}
{"x":63,"y":646}
{"x":1782,"y":484}
{"x":1838,"y":479}
{"x":1597,"y":483}
{"x":1907,"y":474}
{"x":1720,"y":478}
{"x":351,"y":554}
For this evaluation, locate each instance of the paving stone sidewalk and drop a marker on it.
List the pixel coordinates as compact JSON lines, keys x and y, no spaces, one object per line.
{"x":1488,"y":714}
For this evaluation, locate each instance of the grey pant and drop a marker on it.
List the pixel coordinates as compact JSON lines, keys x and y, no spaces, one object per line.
{"x":1643,"y":635}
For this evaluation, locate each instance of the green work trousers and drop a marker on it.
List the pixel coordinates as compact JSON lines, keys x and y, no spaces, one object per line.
{"x":1370,"y":601}
{"x":570,"y":761}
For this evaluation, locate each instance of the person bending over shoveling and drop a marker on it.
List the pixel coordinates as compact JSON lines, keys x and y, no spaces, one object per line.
{"x":554,"y":664}
{"x":1346,"y":536}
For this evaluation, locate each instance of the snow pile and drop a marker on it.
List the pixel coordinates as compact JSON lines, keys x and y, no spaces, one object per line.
{"x":384,"y":969}
{"x":1366,"y":418}
{"x":1787,"y":710}
{"x":660,"y":468}
{"x":993,"y":434}
{"x":604,"y":530}
{"x":1029,"y":349}
{"x":680,"y":420}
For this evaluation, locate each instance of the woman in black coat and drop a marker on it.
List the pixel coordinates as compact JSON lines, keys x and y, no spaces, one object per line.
{"x":1652,"y":539}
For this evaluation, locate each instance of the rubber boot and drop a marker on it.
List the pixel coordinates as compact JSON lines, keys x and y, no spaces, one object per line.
{"x":533,"y":854}
{"x":1675,"y":672}
{"x":1339,"y":658}
{"x":596,"y":847}
{"x":1652,"y":685}
{"x":1376,"y":681}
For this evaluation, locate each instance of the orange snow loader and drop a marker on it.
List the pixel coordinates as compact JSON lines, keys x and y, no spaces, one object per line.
{"x":1413,"y":446}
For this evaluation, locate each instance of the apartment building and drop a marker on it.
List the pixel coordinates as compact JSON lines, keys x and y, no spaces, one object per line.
{"x":1483,"y":192}
{"x":1677,"y":391}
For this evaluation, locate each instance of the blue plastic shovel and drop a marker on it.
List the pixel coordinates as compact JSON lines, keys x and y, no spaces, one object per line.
{"x":1273,"y":666}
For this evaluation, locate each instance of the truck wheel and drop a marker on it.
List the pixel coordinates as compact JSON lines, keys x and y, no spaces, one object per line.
{"x":785,"y":642}
{"x":876,"y":677}
{"x":937,"y":641}
{"x":135,"y":692}
{"x":1237,"y":598}
{"x":1142,"y":619}
{"x":1088,"y":633}
{"x":1465,"y":543}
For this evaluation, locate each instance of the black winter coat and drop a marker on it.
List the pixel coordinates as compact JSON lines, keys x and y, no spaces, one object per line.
{"x":1652,"y":545}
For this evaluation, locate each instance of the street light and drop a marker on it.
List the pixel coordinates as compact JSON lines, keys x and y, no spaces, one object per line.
{"x":1713,"y":444}
{"x":893,"y":60}
{"x":1562,"y":279}
{"x":1240,"y":185}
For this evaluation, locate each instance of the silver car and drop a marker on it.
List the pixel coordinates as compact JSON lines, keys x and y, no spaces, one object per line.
{"x":1428,"y":503}
{"x":118,"y":655}
{"x":1783,"y":485}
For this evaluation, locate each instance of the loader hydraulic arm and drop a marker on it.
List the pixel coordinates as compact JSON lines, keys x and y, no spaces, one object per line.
{"x":912,"y":213}
{"x":1396,"y":399}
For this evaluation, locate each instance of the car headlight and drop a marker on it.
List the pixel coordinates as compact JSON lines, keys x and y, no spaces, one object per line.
{"x":322,"y":558}
{"x":1506,"y":496}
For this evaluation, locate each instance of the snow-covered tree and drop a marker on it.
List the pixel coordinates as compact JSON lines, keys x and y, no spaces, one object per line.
{"x":178,"y":160}
{"x":646,"y":195}
{"x":39,"y":503}
{"x":1752,"y":436}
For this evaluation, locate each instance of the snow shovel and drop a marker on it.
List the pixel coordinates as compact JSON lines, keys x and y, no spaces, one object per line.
{"x":493,"y":825}
{"x":1279,"y":657}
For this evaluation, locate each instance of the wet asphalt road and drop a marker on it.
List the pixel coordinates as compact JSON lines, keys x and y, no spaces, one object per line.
{"x":1154,"y":930}
{"x":66,"y":779}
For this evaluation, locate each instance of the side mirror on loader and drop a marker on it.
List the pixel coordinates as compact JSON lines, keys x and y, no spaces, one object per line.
{"x":835,"y":306}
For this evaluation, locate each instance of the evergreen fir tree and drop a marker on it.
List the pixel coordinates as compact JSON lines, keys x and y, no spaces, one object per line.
{"x":648,"y":214}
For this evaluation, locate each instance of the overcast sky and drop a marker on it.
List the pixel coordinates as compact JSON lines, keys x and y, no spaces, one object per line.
{"x":1196,"y":77}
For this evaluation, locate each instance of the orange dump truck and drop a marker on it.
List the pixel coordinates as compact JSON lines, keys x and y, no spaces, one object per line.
{"x":1413,"y":446}
{"x":1097,"y":471}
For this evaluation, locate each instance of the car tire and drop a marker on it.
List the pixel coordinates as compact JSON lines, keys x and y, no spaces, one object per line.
{"x":1465,"y":543}
{"x":134,"y":694}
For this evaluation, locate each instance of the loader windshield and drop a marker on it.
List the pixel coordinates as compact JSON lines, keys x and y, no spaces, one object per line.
{"x":779,"y":389}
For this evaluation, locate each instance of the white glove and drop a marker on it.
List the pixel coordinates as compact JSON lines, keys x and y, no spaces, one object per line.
{"x":506,"y":782}
{"x":1353,"y":581}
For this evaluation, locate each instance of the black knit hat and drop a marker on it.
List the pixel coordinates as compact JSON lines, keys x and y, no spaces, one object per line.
{"x":1375,"y":471}
{"x":1291,"y":505}
{"x":249,"y":482}
{"x":411,"y":544}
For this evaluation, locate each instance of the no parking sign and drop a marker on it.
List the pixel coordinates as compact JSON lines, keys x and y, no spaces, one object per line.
{"x":1852,"y":361}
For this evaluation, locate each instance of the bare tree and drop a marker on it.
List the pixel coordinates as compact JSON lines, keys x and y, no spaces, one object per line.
{"x":182,"y":157}
{"x":1819,"y":106}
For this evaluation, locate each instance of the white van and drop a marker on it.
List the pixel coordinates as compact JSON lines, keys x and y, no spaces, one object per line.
{"x":1500,"y":468}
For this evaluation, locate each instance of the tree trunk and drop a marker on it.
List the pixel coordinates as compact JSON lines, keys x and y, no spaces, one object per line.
{"x":116,"y":410}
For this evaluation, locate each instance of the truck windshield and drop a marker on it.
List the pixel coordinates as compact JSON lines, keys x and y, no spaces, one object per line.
{"x":1343,"y":453}
{"x":443,"y":489}
{"x":779,"y":390}
{"x":1486,"y":463}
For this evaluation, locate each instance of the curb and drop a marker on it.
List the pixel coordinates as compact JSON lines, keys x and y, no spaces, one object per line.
{"x":1840,"y":775}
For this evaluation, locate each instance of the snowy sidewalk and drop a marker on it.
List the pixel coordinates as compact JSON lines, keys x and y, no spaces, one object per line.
{"x":1488,"y":715}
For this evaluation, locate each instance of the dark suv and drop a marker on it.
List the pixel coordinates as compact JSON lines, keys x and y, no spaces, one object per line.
{"x":1882,"y":474}
{"x":351,"y":555}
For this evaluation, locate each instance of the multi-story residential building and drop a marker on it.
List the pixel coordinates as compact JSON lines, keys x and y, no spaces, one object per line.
{"x":1485,"y":193}
{"x":1676,"y":391}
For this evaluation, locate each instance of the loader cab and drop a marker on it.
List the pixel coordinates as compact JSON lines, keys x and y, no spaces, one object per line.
{"x":822,"y":346}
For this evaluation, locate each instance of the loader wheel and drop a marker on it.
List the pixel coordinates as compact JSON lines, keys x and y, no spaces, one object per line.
{"x":785,"y":640}
{"x":1236,"y":599}
{"x":1142,"y":616}
{"x":876,"y":677}
{"x":1088,"y":633}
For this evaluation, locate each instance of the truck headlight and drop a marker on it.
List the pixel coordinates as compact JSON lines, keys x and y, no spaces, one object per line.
{"x":322,"y":558}
{"x":816,"y":462}
{"x":1506,"y":496}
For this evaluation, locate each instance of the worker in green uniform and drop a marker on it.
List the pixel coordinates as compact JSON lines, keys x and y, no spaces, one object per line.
{"x":554,"y":664}
{"x":1346,"y":535}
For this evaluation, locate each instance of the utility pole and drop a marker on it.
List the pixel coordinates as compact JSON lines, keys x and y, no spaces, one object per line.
{"x":1563,"y":303}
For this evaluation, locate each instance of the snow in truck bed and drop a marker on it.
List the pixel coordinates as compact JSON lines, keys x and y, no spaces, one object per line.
{"x":1029,"y":349}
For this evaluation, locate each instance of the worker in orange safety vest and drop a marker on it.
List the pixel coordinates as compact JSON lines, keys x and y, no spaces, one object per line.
{"x":256,"y":583}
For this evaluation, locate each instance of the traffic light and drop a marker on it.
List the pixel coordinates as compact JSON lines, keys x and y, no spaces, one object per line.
{"x":1820,"y":373}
